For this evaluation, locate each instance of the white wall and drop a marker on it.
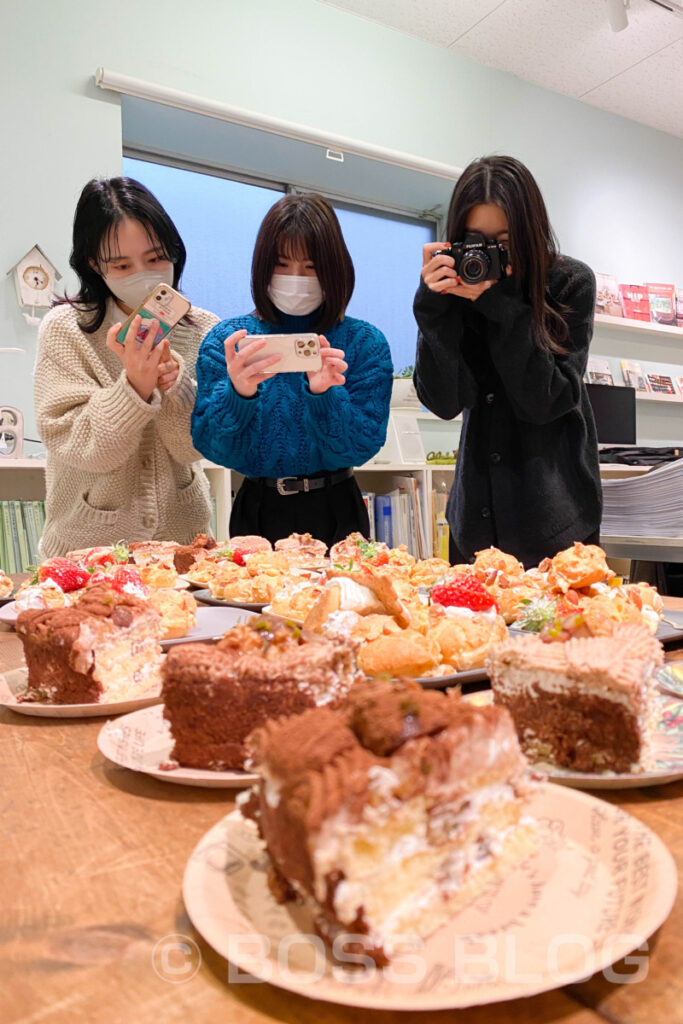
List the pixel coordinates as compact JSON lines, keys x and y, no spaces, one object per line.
{"x":612,"y":186}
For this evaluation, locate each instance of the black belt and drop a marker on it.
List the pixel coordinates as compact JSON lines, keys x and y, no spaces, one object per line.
{"x":294,"y":484}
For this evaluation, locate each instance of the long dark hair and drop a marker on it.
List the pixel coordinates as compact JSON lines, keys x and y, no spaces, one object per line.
{"x":505,"y":181}
{"x":103,"y":204}
{"x":304,"y":225}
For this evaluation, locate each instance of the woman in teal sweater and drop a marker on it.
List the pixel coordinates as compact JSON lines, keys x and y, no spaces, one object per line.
{"x":295,"y":436}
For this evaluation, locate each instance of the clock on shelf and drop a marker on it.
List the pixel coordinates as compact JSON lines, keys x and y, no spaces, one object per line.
{"x":35,"y":277}
{"x":11,"y":433}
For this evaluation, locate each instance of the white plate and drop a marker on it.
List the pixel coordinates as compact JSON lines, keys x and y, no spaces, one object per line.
{"x":600,"y":885}
{"x":9,"y":612}
{"x":14,"y":683}
{"x":211,"y":623}
{"x":668,"y":748}
{"x":206,"y":598}
{"x":143,"y":742}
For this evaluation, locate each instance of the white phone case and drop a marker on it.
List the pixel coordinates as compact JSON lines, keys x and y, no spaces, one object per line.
{"x":298,"y":352}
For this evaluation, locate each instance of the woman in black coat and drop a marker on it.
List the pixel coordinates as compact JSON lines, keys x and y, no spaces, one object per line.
{"x":504,"y":339}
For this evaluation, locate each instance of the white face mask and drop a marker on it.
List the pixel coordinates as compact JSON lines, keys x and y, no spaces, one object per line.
{"x":135,"y":288}
{"x":295,"y":295}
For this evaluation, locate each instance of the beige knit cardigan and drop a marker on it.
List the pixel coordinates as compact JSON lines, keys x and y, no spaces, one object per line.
{"x":117,"y":467}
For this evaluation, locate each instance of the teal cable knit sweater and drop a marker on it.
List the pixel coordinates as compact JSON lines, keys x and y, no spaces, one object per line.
{"x":284,"y":430}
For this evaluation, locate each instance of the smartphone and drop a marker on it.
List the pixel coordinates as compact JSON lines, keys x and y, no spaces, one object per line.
{"x":164,"y":304}
{"x":298,"y":352}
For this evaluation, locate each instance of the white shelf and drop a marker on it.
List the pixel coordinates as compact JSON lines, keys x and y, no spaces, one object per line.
{"x":23,"y":464}
{"x":656,"y":396}
{"x":639,"y":326}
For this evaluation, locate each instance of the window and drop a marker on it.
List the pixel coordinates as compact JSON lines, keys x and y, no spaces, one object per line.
{"x":218,"y":219}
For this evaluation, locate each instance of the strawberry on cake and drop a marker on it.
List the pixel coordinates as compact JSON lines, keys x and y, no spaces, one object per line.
{"x":464,"y":621}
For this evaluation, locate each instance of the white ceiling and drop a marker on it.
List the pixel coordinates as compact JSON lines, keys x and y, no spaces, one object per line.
{"x":563,"y":45}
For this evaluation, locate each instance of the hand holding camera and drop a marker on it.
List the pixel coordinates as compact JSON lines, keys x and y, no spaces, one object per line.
{"x":466,"y":268}
{"x":248,"y":364}
{"x":331,"y":373}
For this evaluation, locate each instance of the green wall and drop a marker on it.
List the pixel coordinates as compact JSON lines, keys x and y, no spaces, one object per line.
{"x":612,"y":186}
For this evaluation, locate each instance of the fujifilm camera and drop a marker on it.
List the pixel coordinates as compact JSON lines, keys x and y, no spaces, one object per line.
{"x":477,"y":258}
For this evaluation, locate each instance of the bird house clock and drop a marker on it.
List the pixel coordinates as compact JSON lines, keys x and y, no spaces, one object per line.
{"x":11,"y":433}
{"x":35,"y":277}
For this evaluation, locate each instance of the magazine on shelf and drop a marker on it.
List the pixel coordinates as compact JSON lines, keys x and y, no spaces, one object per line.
{"x":633,"y":375}
{"x":635,"y":301}
{"x":607,"y":295}
{"x":598,"y":371}
{"x":661,"y":383}
{"x":662,"y":303}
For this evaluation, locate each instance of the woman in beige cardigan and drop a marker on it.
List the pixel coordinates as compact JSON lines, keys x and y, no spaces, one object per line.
{"x":115,"y":419}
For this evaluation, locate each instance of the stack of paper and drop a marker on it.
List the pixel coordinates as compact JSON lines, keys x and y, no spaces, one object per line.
{"x":650,"y":505}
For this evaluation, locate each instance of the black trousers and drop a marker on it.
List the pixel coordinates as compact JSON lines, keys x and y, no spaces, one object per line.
{"x":456,"y":556}
{"x":329,"y":513}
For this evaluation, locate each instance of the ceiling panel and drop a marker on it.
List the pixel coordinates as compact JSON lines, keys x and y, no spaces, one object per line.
{"x":441,"y":22}
{"x":651,"y":92}
{"x":563,"y":45}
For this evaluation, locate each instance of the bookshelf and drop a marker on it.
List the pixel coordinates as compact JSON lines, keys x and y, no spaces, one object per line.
{"x":638,"y":326}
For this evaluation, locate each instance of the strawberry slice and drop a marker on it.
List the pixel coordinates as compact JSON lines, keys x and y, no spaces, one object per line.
{"x":119,"y":553}
{"x":64,"y":572}
{"x":463,"y":591}
{"x":127,"y":580}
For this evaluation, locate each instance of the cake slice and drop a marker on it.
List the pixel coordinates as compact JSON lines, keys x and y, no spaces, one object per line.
{"x":215,"y":694}
{"x":105,"y":648}
{"x":587,"y":704}
{"x":387,"y":817}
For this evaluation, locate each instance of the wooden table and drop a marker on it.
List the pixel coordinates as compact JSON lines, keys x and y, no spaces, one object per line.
{"x":92,"y":860}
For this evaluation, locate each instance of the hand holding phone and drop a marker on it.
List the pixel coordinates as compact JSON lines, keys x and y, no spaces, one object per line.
{"x":163,"y":304}
{"x":299,"y":353}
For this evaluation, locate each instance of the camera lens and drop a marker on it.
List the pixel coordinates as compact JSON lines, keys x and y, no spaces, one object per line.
{"x":474,"y":267}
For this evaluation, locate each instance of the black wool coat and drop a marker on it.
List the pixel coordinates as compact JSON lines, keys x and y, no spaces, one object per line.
{"x":527,"y":475}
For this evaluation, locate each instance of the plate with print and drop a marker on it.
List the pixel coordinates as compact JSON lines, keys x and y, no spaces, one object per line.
{"x":603,"y":874}
{"x":13,"y":687}
{"x":142,"y":742}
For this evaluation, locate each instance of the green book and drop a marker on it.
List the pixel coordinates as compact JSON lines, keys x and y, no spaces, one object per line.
{"x":3,"y":547}
{"x":20,"y":532}
{"x":12,"y":539}
{"x":31,"y":531}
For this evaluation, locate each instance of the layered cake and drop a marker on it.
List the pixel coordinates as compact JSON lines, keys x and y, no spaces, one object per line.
{"x":105,"y":648}
{"x":215,"y":694}
{"x":388,"y":816}
{"x":587,"y":704}
{"x":185,"y":555}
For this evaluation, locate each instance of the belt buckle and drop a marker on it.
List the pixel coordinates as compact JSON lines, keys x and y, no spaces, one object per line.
{"x":280,"y":484}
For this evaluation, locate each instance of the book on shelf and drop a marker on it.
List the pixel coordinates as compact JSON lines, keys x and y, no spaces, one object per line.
{"x":416,"y":542}
{"x":661,"y":383}
{"x":598,"y":371}
{"x":679,"y":307}
{"x":635,"y":301}
{"x":383,"y":519}
{"x":662,"y":303}
{"x":369,"y":499}
{"x":633,"y":375}
{"x":21,"y":525}
{"x":607,"y":295}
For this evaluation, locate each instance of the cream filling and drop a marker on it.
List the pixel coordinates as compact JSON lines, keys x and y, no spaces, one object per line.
{"x":528,"y":682}
{"x":455,"y":611}
{"x":387,"y":834}
{"x":353,"y":595}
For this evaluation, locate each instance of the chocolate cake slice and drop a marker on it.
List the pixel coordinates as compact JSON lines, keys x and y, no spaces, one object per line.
{"x":215,"y":694}
{"x":587,"y":704}
{"x":104,"y":648}
{"x":185,"y":555}
{"x":387,"y":817}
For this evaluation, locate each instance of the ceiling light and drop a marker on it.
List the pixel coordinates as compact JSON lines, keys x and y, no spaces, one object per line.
{"x":616,"y":13}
